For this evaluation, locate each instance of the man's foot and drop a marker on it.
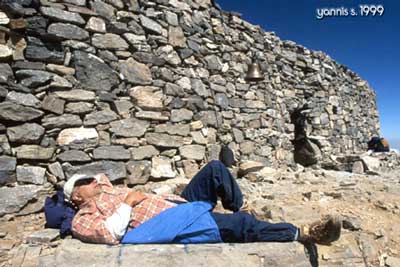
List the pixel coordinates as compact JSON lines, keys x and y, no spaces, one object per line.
{"x":323,"y":232}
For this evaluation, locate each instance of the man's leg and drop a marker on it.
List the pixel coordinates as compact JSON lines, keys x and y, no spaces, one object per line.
{"x":212,"y":181}
{"x":243,"y":227}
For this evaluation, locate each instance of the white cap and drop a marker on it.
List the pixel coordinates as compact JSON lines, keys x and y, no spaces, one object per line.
{"x":70,"y":184}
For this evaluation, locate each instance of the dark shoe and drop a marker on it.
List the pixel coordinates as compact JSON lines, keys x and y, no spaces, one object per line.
{"x":323,"y":232}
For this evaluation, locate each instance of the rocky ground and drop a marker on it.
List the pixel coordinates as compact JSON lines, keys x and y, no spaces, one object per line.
{"x":369,"y":205}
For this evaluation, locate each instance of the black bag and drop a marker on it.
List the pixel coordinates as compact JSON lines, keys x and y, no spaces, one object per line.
{"x":226,"y":156}
{"x":377,"y":144}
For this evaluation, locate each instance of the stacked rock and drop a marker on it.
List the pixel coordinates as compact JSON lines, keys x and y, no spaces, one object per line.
{"x":149,"y":90}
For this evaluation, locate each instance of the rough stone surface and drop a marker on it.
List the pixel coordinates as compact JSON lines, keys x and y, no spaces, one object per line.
{"x":135,"y":72}
{"x":74,"y":156}
{"x":195,"y":152}
{"x":34,"y":152}
{"x":114,"y":170}
{"x":147,"y":97}
{"x":62,"y":15}
{"x":164,"y":140}
{"x":28,"y":133}
{"x":14,"y":199}
{"x":111,"y":152}
{"x":78,"y":137}
{"x":162,"y":168}
{"x":139,"y":172}
{"x":144,"y":152}
{"x":15,"y":112}
{"x":67,"y":31}
{"x":103,"y":116}
{"x":129,"y":127}
{"x":109,"y":41}
{"x":31,"y":174}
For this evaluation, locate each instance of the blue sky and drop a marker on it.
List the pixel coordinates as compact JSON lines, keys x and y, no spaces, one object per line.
{"x":368,"y":45}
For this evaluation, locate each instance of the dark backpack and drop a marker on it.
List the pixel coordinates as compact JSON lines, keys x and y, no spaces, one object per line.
{"x":226,"y":156}
{"x":378,"y":144}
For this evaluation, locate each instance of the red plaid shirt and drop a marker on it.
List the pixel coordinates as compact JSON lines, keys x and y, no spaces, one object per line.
{"x":89,"y":222}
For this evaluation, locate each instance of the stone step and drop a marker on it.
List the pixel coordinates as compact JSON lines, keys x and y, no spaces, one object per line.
{"x":75,"y":253}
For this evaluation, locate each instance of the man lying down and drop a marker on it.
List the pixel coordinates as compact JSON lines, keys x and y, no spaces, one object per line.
{"x":113,"y":215}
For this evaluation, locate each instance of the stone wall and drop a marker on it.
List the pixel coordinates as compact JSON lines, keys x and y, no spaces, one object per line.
{"x":149,"y":90}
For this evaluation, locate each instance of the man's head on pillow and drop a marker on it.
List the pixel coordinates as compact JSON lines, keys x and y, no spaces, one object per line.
{"x":81,"y":188}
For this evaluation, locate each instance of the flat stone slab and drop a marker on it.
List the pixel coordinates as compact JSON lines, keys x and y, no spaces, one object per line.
{"x":72,"y":252}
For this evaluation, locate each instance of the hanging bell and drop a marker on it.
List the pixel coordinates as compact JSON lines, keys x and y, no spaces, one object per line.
{"x":254,"y":73}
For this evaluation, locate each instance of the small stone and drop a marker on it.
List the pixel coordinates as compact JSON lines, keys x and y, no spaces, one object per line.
{"x":199,"y":138}
{"x":6,"y":73}
{"x":23,"y":99}
{"x":249,"y":166}
{"x":63,"y":121}
{"x":147,"y":97}
{"x":214,"y":63}
{"x":93,"y":73}
{"x":109,"y":41}
{"x":100,"y":117}
{"x":371,"y":163}
{"x":96,"y":25}
{"x":183,"y":114}
{"x":150,"y":25}
{"x":5,"y":52}
{"x":199,"y":87}
{"x":104,"y":10}
{"x":60,"y":69}
{"x":358,"y":167}
{"x":176,"y":37}
{"x":129,"y":127}
{"x":4,"y":20}
{"x":67,"y":31}
{"x":73,"y":156}
{"x":43,"y":236}
{"x":111,"y":152}
{"x":114,"y":170}
{"x":196,"y":125}
{"x":79,"y":107}
{"x":162,"y":168}
{"x":34,"y":152}
{"x":28,"y":133}
{"x":151,"y":115}
{"x":7,"y":169}
{"x":76,"y":95}
{"x":62,"y":15}
{"x":144,"y":152}
{"x":53,"y":104}
{"x":15,"y":112}
{"x":196,"y":152}
{"x":56,"y":169}
{"x":190,"y":168}
{"x":135,"y":72}
{"x":139,"y":172}
{"x":50,"y":52}
{"x":164,"y":140}
{"x":173,"y":129}
{"x":78,"y":137}
{"x":31,"y":174}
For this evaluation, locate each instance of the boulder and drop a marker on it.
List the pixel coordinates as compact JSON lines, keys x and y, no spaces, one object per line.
{"x":31,"y":174}
{"x":28,"y":133}
{"x":93,"y":73}
{"x":15,"y":112}
{"x":162,"y":167}
{"x":129,"y":127}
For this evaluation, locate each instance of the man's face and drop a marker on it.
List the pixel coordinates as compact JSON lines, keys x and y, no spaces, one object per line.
{"x":85,"y":190}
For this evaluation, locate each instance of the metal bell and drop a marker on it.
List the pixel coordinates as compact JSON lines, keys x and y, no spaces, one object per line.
{"x":254,"y":73}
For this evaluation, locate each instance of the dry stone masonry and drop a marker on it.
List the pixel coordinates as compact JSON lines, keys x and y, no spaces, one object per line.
{"x":149,"y":90}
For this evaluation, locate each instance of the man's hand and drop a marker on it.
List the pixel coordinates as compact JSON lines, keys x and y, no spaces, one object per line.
{"x":134,"y":198}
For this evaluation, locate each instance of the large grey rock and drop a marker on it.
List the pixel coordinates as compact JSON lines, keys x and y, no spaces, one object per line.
{"x":62,"y":15}
{"x":111,"y":152}
{"x":139,"y":171}
{"x":371,"y":163}
{"x":109,"y":41}
{"x":147,"y":97}
{"x":34,"y":152}
{"x":67,"y":31}
{"x":114,"y":170}
{"x":7,"y":169}
{"x":272,"y":254}
{"x":63,"y":121}
{"x":28,"y":133}
{"x":28,"y":100}
{"x":182,"y":114}
{"x":31,"y":174}
{"x":196,"y":152}
{"x":73,"y":156}
{"x":164,"y":140}
{"x":14,"y":112}
{"x":144,"y":152}
{"x":162,"y":167}
{"x":13,"y":199}
{"x":94,"y":74}
{"x":173,"y":129}
{"x":150,"y":25}
{"x":50,"y":52}
{"x":135,"y":72}
{"x":76,"y":95}
{"x":78,"y":137}
{"x":53,"y":104}
{"x":129,"y":127}
{"x":99,"y":117}
{"x":35,"y":78}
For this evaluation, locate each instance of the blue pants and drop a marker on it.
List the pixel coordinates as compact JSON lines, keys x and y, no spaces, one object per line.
{"x":213,"y":181}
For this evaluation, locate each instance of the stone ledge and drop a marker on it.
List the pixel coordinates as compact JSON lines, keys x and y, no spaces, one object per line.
{"x":75,"y":253}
